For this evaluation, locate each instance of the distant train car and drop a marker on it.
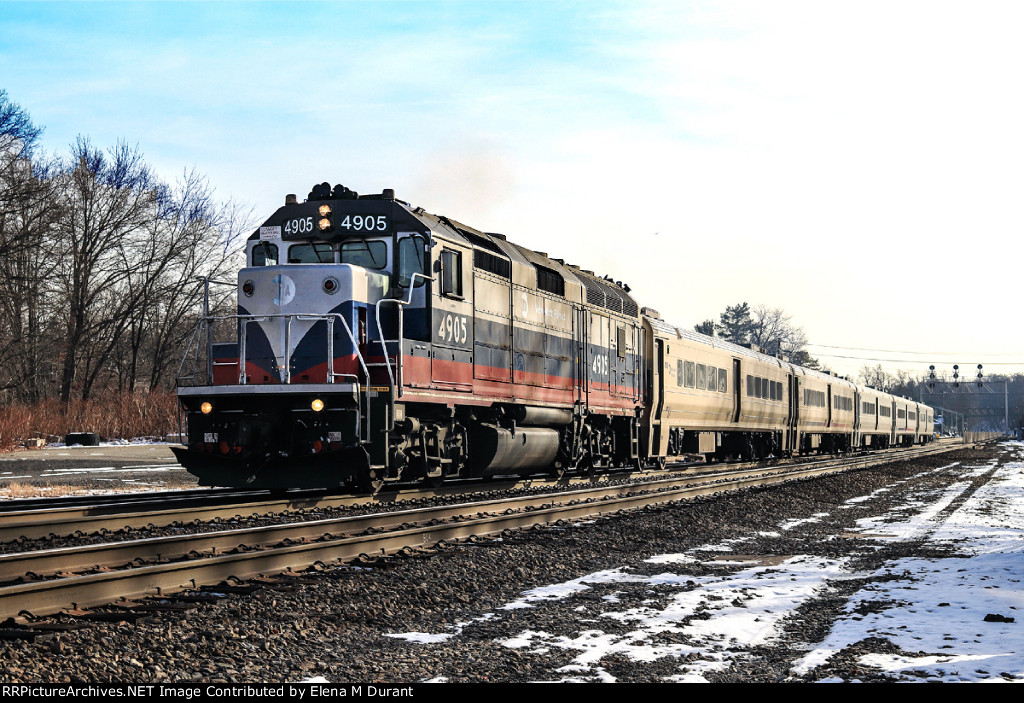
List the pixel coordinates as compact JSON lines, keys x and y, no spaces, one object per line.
{"x":375,"y":342}
{"x":877,"y":424}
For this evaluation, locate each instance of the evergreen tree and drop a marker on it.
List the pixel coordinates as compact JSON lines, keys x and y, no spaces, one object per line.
{"x":707,"y":327}
{"x":736,"y":324}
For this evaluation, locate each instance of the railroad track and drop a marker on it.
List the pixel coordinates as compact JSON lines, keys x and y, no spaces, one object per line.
{"x":84,"y":515}
{"x":49,"y":581}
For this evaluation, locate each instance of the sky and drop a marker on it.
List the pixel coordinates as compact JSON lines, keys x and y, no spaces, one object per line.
{"x":856,"y":164}
{"x":935,"y":607}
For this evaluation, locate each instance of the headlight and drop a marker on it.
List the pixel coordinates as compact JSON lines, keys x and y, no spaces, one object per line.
{"x":206,"y":408}
{"x":317,"y":405}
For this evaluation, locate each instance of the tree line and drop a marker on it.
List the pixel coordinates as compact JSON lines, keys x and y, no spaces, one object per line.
{"x":770,"y":330}
{"x":99,"y":261}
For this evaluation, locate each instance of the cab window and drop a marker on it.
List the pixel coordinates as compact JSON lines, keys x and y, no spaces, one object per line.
{"x":315,"y":253}
{"x":264,"y":254}
{"x":451,"y":273}
{"x":410,"y":260}
{"x":369,"y":255}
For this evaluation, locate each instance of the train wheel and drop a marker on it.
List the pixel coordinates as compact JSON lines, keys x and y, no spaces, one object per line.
{"x":369,"y":480}
{"x":556,"y":470}
{"x":435,"y":481}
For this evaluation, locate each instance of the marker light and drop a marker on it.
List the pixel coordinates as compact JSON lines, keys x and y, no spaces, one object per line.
{"x":317,"y":405}
{"x":206,"y":408}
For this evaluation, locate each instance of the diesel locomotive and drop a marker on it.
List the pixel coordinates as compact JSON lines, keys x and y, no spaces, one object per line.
{"x":375,"y":342}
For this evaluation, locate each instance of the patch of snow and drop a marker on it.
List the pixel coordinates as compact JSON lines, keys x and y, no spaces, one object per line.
{"x":933,"y":609}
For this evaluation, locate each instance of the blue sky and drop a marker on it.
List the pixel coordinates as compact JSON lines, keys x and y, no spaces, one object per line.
{"x":857,"y":164}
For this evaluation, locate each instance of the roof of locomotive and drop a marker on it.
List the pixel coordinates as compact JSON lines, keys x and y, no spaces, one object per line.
{"x":580,"y":285}
{"x":587,"y":286}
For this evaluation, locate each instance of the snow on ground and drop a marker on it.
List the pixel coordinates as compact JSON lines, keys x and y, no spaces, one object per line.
{"x":111,"y":467}
{"x":939,"y":606}
{"x":933,"y":606}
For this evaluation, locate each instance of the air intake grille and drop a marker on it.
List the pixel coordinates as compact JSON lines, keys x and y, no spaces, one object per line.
{"x":495,"y":264}
{"x":610,"y":297}
{"x":550,"y":281}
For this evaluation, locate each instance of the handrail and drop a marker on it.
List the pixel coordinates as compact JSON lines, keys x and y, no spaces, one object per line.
{"x":329,"y":318}
{"x":380,"y":329}
{"x":207,"y":322}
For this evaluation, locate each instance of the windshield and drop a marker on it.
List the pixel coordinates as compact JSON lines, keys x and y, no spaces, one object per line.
{"x":316,"y":253}
{"x":368,"y":254}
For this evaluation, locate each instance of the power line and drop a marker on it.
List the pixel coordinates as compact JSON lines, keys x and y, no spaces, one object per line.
{"x":903,"y":351}
{"x":909,"y":361}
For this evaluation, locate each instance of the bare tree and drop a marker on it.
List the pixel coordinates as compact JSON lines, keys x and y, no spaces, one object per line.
{"x":774,"y":332}
{"x":109,"y":199}
{"x":18,"y":138}
{"x":99,"y":263}
{"x":876,"y":377}
{"x":900,"y":382}
{"x":770,"y":329}
{"x":192,"y":236}
{"x":27,"y":205}
{"x":27,"y":316}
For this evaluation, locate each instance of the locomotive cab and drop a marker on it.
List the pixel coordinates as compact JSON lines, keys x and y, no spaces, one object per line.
{"x":308,"y":375}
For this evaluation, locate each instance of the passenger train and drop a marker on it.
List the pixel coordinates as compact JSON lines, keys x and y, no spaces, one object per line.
{"x":375,"y":342}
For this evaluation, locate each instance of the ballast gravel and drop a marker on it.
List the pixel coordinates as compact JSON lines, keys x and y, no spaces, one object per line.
{"x":339,"y":624}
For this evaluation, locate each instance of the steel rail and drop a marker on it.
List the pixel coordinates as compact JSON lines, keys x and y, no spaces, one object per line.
{"x":106,"y":501}
{"x":42,"y":524}
{"x":90,"y":590}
